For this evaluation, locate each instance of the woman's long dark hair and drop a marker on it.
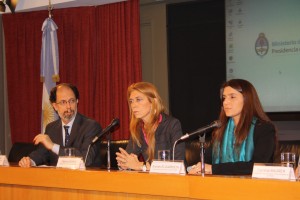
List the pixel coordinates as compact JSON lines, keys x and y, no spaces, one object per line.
{"x":252,"y":108}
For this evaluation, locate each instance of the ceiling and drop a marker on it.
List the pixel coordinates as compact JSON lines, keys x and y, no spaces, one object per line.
{"x":33,"y":5}
{"x":150,"y":2}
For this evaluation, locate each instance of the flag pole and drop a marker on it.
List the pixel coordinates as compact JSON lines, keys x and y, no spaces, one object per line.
{"x":50,"y":7}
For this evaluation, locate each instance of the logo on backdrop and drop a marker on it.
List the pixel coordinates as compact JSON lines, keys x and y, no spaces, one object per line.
{"x":261,"y":45}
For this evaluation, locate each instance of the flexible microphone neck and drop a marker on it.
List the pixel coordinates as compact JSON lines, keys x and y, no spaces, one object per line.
{"x":115,"y":122}
{"x":215,"y":124}
{"x":87,"y":153}
{"x":174,"y":148}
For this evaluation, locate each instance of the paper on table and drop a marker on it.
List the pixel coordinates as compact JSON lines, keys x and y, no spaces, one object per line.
{"x":273,"y":171}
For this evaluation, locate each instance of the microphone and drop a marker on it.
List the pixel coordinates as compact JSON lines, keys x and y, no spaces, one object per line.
{"x":214,"y":124}
{"x":114,"y":122}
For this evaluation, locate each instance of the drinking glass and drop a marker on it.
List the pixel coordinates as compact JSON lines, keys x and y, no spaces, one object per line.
{"x":288,"y":159}
{"x":70,"y":152}
{"x":164,"y":155}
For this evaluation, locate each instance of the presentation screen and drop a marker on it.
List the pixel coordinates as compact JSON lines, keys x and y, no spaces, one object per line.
{"x":263,"y":47}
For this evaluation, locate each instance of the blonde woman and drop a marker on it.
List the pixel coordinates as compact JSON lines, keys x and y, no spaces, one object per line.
{"x":151,"y":129}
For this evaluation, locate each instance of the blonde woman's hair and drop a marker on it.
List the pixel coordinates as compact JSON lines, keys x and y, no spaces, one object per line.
{"x":136,"y":124}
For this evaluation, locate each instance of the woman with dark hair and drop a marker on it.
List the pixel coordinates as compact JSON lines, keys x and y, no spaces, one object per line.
{"x":151,"y":129}
{"x":246,"y":136}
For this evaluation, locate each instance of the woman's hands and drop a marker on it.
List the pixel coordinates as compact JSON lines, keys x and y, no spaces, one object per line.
{"x":128,"y":161}
{"x":196,"y":169}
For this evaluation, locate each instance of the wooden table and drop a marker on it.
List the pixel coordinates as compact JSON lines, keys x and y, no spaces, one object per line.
{"x":52,"y":183}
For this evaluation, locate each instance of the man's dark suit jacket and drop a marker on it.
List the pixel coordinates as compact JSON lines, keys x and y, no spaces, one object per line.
{"x":82,"y":133}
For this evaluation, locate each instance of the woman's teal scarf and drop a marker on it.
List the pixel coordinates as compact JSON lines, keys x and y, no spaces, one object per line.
{"x":228,"y":153}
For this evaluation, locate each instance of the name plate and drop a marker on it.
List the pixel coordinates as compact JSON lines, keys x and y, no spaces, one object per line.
{"x":70,"y":162}
{"x":3,"y":161}
{"x":271,"y":171}
{"x":167,"y":167}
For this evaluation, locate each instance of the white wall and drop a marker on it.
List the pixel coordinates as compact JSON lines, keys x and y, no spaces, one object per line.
{"x":154,"y":47}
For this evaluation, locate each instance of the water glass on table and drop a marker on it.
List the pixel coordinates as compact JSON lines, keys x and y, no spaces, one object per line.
{"x":164,"y":155}
{"x":288,"y":159}
{"x":69,"y":152}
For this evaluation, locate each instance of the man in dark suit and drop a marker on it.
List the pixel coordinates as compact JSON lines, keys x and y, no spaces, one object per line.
{"x":71,"y":130}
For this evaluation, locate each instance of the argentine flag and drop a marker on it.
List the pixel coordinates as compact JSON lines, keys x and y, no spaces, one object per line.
{"x":49,"y":69}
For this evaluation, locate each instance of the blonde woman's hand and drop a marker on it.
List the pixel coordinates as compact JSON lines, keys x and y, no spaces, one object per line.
{"x":128,"y":161}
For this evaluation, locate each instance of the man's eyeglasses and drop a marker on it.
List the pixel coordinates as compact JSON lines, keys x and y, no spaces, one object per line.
{"x":64,"y":103}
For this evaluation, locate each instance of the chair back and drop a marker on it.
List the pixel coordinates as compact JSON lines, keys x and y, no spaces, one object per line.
{"x":19,"y":150}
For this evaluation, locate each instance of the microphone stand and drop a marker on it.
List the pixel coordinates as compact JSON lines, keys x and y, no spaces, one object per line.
{"x":86,"y":155}
{"x":174,"y":148}
{"x":202,"y":141}
{"x":108,"y":137}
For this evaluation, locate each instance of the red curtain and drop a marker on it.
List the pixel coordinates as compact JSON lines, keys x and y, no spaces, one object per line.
{"x":99,"y":52}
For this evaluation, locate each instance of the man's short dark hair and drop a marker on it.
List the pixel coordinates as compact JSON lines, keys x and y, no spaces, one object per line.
{"x":52,"y":96}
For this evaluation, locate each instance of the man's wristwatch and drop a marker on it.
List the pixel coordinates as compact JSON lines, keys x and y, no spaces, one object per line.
{"x":144,"y":167}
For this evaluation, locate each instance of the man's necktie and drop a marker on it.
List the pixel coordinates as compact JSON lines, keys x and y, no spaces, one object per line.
{"x":67,"y":135}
